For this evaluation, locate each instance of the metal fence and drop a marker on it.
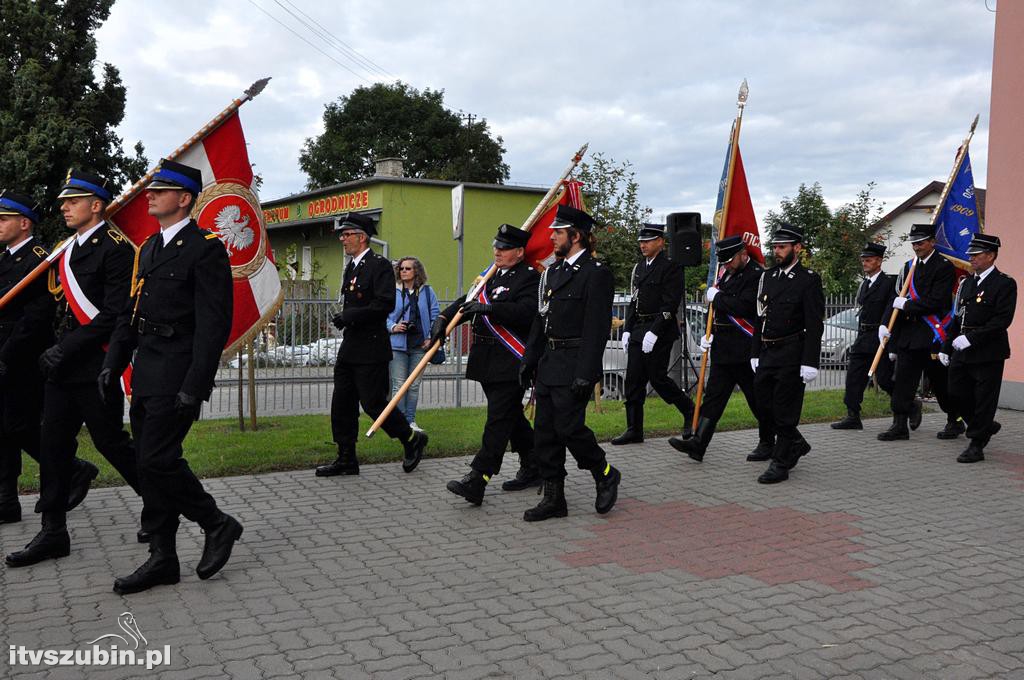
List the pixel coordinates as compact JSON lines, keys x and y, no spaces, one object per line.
{"x":294,"y":361}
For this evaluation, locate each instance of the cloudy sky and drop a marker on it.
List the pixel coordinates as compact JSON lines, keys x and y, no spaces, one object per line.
{"x":842,"y":93}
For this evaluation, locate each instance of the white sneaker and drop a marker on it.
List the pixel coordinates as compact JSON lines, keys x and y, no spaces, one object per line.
{"x":415,"y":427}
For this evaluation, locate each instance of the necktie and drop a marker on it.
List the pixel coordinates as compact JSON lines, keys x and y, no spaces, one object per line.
{"x":863,"y":290}
{"x":977,"y":280}
{"x":158,"y":246}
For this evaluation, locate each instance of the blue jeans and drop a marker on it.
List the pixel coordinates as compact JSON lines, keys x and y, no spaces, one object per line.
{"x":401,"y":366}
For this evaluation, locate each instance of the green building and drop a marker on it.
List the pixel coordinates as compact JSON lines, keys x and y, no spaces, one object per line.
{"x":414,"y":217}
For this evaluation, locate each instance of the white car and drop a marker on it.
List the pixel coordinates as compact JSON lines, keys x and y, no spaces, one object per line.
{"x":840,"y":333}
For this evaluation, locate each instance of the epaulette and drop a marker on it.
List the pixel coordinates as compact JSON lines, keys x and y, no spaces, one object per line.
{"x":211,"y":236}
{"x":116,"y":236}
{"x":40,"y":251}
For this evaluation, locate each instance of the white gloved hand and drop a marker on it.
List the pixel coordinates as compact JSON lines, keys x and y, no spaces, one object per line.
{"x":961,"y":342}
{"x":892,"y":356}
{"x":943,"y":358}
{"x":648,"y":342}
{"x":899,"y":302}
{"x":710,"y":293}
{"x":808,"y":374}
{"x":705,"y":343}
{"x":883,"y":333}
{"x":625,"y":340}
{"x":753,"y":364}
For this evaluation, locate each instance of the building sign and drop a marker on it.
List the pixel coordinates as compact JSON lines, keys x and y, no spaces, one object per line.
{"x":275,"y":215}
{"x":331,"y":205}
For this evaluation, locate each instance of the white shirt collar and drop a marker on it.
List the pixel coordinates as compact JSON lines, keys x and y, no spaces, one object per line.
{"x":982,"y":275}
{"x":82,"y":238}
{"x":871,"y":279}
{"x":13,"y":249}
{"x":925,"y":260}
{"x":170,"y":232}
{"x":359,"y":258}
{"x":790,"y":267}
{"x":571,"y":260}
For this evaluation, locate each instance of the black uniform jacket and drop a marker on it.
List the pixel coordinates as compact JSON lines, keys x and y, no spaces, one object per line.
{"x":182,"y":316}
{"x":368,"y":292}
{"x":26,"y":323}
{"x":794,"y":306}
{"x":983,"y":314}
{"x":513,"y":297}
{"x":875,"y":309}
{"x":103,"y":268}
{"x":580,"y":297}
{"x":934,"y":283}
{"x":737,"y":296}
{"x":659,"y":289}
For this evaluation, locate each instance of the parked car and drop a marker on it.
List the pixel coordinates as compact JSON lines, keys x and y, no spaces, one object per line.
{"x":840,"y":333}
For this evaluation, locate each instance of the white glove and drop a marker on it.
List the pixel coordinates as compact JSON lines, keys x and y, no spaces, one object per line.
{"x":710,"y":293}
{"x":883,"y":333}
{"x":625,"y":340}
{"x":753,"y":364}
{"x":648,"y":343}
{"x":705,"y":343}
{"x":899,"y":302}
{"x":943,"y":358}
{"x":961,"y":342}
{"x":892,"y":356}
{"x":808,"y":374}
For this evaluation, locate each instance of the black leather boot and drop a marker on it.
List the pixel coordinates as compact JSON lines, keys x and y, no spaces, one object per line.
{"x":526,"y":476}
{"x":161,"y":569}
{"x":686,"y":406}
{"x":471,"y":487}
{"x":916,"y":413}
{"x":414,"y":448}
{"x":634,"y":432}
{"x":607,"y":481}
{"x":897,"y":431}
{"x":774,"y":474}
{"x":220,"y":539}
{"x":10,"y":512}
{"x":850,"y":422}
{"x":81,"y":479}
{"x":50,"y":543}
{"x":783,"y":459}
{"x":796,"y":451}
{"x":975,"y":453}
{"x":761,"y":452}
{"x":695,"y":446}
{"x":551,"y":505}
{"x":953,"y":429}
{"x":345,"y":464}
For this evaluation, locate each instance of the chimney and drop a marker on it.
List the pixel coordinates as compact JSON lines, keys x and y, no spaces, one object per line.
{"x":388,"y":167}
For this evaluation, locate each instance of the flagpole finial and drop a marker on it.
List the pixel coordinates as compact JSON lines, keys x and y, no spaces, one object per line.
{"x":741,"y":98}
{"x":975,"y":123}
{"x":582,"y":151}
{"x":256,"y":88}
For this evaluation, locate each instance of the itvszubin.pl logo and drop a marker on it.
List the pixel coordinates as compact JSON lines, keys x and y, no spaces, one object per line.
{"x":112,"y":649}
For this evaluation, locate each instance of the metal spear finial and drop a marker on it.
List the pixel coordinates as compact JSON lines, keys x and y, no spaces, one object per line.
{"x":256,"y":88}
{"x":741,"y":98}
{"x":975,"y":123}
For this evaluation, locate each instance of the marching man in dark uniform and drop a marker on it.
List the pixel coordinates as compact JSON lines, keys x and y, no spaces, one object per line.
{"x":650,"y":331}
{"x":176,"y":326}
{"x":26,"y":328}
{"x":361,"y":370}
{"x":874,"y":301}
{"x":734,"y":301}
{"x":502,"y":315}
{"x":918,"y":337}
{"x":95,"y":277}
{"x":564,"y":357}
{"x":786,"y":347}
{"x":978,"y":345}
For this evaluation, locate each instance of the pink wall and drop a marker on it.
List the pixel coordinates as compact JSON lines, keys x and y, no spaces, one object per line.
{"x":1004,"y":215}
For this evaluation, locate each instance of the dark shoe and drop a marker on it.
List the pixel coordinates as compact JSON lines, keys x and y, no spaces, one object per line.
{"x":916,"y":411}
{"x":81,"y":478}
{"x":551,"y":505}
{"x":161,"y":569}
{"x":414,"y":451}
{"x":607,"y":482}
{"x":761,"y":453}
{"x":217,"y":548}
{"x":897,"y":431}
{"x":471,"y":487}
{"x":630,"y":436}
{"x":850,"y":422}
{"x":774,"y":474}
{"x":972,"y":454}
{"x":47,"y":544}
{"x":11,"y":513}
{"x":994,"y":428}
{"x":799,"y":449}
{"x":697,"y":445}
{"x":686,"y":407}
{"x":346,"y":464}
{"x":952,"y":430}
{"x":143,"y":536}
{"x":526,"y":477}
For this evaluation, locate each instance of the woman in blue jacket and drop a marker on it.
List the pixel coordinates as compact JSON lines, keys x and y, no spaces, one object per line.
{"x":416,"y":307}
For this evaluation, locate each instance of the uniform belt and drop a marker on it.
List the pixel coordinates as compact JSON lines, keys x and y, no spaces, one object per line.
{"x":564,"y":343}
{"x":146,"y":327}
{"x":784,"y":339}
{"x":648,"y":317}
{"x":969,"y":328}
{"x":867,"y":326}
{"x":484,"y":339}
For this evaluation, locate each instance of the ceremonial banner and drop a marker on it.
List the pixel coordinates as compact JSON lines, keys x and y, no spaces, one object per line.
{"x":740,"y":218}
{"x":957,"y":219}
{"x":540,"y":249}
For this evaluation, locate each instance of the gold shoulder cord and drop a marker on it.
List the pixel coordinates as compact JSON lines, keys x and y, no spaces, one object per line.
{"x":56,"y":290}
{"x":137,"y":283}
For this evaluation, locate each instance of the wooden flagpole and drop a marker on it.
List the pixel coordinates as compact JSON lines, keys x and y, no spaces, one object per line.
{"x":480,"y":282}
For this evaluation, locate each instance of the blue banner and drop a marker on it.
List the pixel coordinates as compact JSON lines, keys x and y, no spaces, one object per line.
{"x":958,"y":217}
{"x":719,"y":208}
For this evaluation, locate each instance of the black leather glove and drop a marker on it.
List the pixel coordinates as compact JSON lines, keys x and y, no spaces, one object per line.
{"x":581,"y":389}
{"x":105,"y":383}
{"x":338,"y":321}
{"x":187,"y":406}
{"x":474,"y":307}
{"x":438,"y":329}
{"x":50,"y":360}
{"x":527,"y":374}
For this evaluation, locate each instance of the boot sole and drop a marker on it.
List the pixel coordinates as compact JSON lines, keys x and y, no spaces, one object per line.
{"x":680,"y":446}
{"x":559,"y":513}
{"x":213,"y":570}
{"x":337,"y":474}
{"x":894,"y":438}
{"x":470,"y":499}
{"x":516,"y":486}
{"x":52,"y":556}
{"x":836,"y":426}
{"x":166,"y":581}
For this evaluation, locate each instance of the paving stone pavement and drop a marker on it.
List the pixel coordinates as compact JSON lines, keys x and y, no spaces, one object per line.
{"x":873,"y":561}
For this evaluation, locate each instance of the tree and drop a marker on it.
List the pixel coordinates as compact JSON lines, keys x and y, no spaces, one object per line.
{"x":397,"y":120}
{"x":53,"y":112}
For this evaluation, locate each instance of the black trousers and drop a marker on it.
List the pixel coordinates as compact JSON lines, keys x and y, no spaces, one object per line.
{"x":910,"y":364}
{"x":780,"y":398}
{"x":65,"y":409}
{"x":722,"y":380}
{"x":169,"y":487}
{"x":369,"y":385}
{"x":20,"y":413}
{"x":649,"y":368}
{"x":505,"y":423}
{"x":857,"y":378}
{"x":560,"y":423}
{"x":975,"y":389}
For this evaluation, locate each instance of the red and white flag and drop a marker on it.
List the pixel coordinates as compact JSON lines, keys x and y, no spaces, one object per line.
{"x":229,"y":207}
{"x":540,"y":249}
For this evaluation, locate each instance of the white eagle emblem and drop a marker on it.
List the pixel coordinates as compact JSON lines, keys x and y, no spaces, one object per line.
{"x":234,"y":229}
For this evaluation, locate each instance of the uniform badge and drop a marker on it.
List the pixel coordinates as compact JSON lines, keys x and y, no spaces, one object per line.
{"x":179,"y":242}
{"x":498,"y":291}
{"x":95,"y":241}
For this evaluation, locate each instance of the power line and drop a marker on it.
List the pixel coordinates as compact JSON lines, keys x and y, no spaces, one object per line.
{"x":341,"y":45}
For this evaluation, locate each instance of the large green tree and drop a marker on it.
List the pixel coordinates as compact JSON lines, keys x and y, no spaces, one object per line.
{"x":54,"y":112}
{"x":396,"y":120}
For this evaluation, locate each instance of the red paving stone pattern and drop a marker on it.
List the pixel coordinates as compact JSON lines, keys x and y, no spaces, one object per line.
{"x":775,"y":546}
{"x":1013,"y":463}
